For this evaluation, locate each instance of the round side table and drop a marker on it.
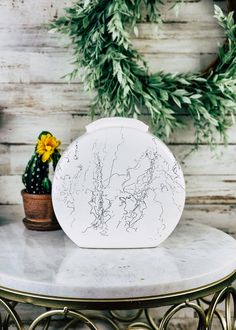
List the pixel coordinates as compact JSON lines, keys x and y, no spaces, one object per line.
{"x":47,"y":269}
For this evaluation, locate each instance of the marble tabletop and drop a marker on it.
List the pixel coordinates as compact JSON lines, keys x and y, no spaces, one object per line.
{"x":48,"y":263}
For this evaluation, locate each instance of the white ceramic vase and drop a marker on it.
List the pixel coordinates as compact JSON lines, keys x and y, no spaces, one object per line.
{"x":118,"y":186}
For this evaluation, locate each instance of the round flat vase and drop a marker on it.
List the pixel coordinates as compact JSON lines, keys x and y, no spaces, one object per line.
{"x":118,"y":186}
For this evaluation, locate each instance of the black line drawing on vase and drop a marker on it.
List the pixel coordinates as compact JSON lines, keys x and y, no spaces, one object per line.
{"x":136,"y":187}
{"x":119,"y":198}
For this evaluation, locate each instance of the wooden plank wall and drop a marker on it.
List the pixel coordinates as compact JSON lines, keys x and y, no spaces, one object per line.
{"x":33,"y":97}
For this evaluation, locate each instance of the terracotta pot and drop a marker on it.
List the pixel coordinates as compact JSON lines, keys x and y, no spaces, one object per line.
{"x":39,"y":214}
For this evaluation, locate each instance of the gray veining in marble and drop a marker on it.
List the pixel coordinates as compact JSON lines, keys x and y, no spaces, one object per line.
{"x":49,"y":263}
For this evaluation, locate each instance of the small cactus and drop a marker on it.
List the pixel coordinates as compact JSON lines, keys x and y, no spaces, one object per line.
{"x":35,"y":177}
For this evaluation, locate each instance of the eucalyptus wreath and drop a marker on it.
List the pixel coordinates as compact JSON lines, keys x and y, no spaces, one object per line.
{"x":99,"y":34}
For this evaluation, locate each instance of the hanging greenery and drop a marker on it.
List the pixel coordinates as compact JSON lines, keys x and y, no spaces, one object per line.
{"x":98,"y":30}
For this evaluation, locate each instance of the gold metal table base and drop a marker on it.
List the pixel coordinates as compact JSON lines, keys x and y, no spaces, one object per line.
{"x":73,"y":311}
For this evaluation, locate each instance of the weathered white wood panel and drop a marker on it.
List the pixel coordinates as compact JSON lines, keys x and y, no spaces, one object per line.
{"x":36,"y":37}
{"x":220,"y":216}
{"x":47,"y":67}
{"x":200,"y":189}
{"x":26,"y":128}
{"x":22,"y":125}
{"x":35,"y":98}
{"x":18,"y":12}
{"x":34,"y":55}
{"x":14,"y":158}
{"x":173,"y":45}
{"x":211,"y":189}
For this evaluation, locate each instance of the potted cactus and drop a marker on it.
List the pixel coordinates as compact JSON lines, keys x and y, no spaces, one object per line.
{"x":39,"y":214}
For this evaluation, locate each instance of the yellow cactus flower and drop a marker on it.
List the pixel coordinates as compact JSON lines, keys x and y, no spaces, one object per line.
{"x":46,"y":146}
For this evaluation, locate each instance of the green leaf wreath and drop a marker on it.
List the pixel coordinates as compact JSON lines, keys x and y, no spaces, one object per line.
{"x":98,"y":30}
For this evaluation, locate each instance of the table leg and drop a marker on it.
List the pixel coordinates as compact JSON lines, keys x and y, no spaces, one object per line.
{"x":10,"y":314}
{"x":206,"y":310}
{"x":69,"y":313}
{"x":205,"y":313}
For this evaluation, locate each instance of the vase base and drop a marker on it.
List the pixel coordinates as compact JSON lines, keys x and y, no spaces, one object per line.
{"x":41,"y":225}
